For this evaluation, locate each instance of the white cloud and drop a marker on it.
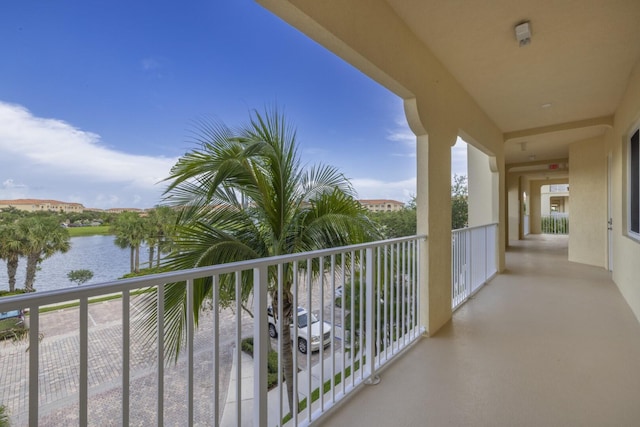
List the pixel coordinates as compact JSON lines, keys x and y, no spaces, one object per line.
{"x":369,"y":188}
{"x":459,"y":158}
{"x":401,"y":132}
{"x":404,"y":135}
{"x":50,"y":158}
{"x":10,"y":184}
{"x":401,"y":135}
{"x":150,"y":64}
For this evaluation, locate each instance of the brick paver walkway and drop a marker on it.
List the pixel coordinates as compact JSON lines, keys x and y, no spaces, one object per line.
{"x":59,"y":371}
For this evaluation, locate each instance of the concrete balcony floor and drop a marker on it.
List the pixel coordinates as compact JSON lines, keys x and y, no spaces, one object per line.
{"x":548,"y":343}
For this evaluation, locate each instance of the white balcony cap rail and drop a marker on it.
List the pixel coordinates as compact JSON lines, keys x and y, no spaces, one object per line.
{"x":380,"y":328}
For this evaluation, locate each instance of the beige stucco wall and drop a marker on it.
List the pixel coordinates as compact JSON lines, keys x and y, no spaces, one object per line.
{"x":626,"y":251}
{"x":483,"y":191}
{"x":513,"y":192}
{"x":588,"y":178}
{"x":535,"y":205}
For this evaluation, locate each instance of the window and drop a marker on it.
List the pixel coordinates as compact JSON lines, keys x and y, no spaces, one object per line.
{"x":634,"y":184}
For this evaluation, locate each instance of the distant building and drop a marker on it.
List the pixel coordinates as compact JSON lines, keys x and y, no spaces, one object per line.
{"x":37,"y":205}
{"x":382,"y":205}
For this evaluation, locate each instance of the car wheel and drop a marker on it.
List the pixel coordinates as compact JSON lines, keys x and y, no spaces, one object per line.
{"x":273,"y":333}
{"x":302,"y":345}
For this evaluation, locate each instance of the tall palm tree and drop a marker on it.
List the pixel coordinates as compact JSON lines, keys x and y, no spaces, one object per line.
{"x":130,"y":231}
{"x":167,"y":220}
{"x":44,"y":237}
{"x":12,"y":247}
{"x":161,"y":222}
{"x":244,"y":195}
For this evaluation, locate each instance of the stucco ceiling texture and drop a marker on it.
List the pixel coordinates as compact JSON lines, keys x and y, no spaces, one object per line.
{"x":579,"y":60}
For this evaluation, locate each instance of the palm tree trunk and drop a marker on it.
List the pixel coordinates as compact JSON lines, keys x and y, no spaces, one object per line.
{"x":151,"y":253}
{"x":287,"y":363}
{"x":137,"y":262}
{"x":132,"y":250}
{"x":287,"y":349}
{"x":158,"y":255}
{"x":12,"y":268}
{"x":32,"y":265}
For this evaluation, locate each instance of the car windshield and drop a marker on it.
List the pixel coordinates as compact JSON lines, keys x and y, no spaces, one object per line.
{"x":302,"y":320}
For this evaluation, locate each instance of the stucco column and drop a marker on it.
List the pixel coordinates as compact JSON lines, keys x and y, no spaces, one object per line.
{"x":483,"y":202}
{"x":434,"y":220}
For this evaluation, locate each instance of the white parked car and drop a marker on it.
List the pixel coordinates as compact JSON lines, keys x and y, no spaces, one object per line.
{"x":317,"y":330}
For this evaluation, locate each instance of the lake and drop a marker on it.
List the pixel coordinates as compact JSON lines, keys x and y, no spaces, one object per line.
{"x":96,"y":253}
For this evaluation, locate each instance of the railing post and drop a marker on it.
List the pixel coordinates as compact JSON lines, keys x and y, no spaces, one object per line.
{"x":160,"y":373}
{"x":190,"y":332}
{"x":370,"y":369}
{"x":84,"y":362}
{"x":126,"y":355}
{"x":468,"y":264}
{"x":260,"y":346}
{"x":34,"y":359}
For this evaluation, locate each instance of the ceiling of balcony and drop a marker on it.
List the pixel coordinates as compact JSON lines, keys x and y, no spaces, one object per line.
{"x":575,"y":69}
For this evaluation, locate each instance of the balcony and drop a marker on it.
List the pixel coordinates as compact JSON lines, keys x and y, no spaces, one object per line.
{"x":88,"y":361}
{"x":547,"y":343}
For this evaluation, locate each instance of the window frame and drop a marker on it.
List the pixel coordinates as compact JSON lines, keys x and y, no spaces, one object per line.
{"x":633,"y":183}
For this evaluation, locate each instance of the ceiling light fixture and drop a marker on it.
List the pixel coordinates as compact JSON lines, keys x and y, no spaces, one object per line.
{"x":523,"y":33}
{"x":547,"y":105}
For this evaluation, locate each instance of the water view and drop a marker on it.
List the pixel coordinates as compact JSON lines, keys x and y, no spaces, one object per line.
{"x":96,"y":253}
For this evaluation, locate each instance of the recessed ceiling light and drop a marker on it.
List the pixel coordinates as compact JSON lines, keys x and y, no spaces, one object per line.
{"x":547,"y":105}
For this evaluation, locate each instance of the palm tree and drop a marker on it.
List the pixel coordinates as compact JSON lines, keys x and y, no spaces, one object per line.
{"x":12,"y":246}
{"x":130,"y":230}
{"x":44,"y":237}
{"x":161,"y":221}
{"x":167,"y":218}
{"x":244,"y":195}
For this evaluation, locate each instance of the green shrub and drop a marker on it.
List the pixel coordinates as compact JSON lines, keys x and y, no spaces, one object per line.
{"x":11,"y":329}
{"x":272,"y":361}
{"x":10,"y":294}
{"x":554,"y":225}
{"x":4,"y":416}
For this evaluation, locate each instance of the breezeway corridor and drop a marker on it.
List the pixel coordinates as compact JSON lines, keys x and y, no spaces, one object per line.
{"x":548,"y":343}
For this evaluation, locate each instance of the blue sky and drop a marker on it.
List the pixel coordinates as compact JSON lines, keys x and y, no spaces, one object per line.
{"x":98,"y":99}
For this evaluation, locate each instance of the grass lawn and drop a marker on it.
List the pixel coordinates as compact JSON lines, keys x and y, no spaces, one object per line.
{"x":88,"y":231}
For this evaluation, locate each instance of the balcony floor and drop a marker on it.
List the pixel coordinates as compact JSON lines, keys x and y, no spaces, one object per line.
{"x":548,"y":343}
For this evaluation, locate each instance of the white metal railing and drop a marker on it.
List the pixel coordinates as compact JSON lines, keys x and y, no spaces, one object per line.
{"x":370,"y":325}
{"x":473,"y":260}
{"x":556,"y":223}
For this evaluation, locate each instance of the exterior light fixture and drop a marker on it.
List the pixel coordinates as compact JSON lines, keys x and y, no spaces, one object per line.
{"x":523,"y":33}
